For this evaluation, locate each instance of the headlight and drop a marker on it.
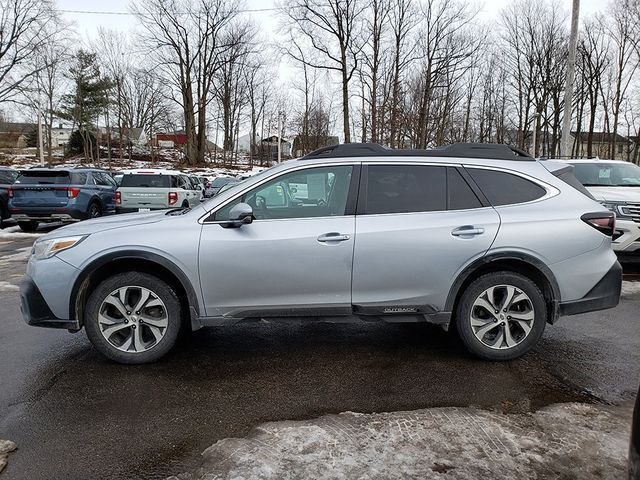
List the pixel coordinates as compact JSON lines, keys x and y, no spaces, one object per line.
{"x":48,"y":248}
{"x":616,"y":207}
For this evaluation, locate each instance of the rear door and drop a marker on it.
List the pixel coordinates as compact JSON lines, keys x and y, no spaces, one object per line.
{"x":106,"y":189}
{"x":41,"y":188}
{"x":145,"y":191}
{"x":418,"y":225}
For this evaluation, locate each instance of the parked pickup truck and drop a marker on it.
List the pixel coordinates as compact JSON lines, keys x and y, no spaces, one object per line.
{"x":151,"y":189}
{"x":60,"y":195}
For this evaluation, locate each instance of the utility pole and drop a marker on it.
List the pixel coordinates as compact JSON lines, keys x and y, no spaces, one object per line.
{"x":279,"y":139}
{"x":565,"y":142}
{"x":40,"y":142}
{"x":534,"y":140}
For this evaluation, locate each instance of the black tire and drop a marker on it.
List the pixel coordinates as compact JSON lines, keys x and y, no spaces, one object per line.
{"x":29,"y":226}
{"x":161,"y":290}
{"x":466,"y":304}
{"x":185,"y":204}
{"x":94,"y":211}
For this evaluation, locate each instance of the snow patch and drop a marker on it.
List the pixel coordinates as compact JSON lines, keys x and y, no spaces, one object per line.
{"x":8,"y":287}
{"x":630,"y":288}
{"x":6,"y":447}
{"x":14,"y":232}
{"x":560,"y":441}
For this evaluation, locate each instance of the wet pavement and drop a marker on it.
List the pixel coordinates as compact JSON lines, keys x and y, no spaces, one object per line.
{"x":75,"y":415}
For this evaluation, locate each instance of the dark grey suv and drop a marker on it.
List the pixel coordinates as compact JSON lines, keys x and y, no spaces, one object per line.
{"x":7,"y":177}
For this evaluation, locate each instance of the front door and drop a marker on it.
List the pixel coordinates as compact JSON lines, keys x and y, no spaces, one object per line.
{"x":296,"y":256}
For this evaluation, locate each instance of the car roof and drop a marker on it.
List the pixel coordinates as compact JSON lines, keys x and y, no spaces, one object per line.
{"x":594,"y":160}
{"x":486,"y":151}
{"x":152,"y":171}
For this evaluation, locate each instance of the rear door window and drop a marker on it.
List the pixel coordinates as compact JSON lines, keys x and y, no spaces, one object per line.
{"x":502,"y":188}
{"x":7,"y":177}
{"x":44,"y":178}
{"x":146,"y":181}
{"x":405,"y":189}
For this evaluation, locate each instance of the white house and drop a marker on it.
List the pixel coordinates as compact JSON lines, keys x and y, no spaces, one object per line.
{"x":60,"y":136}
{"x":244,"y":142}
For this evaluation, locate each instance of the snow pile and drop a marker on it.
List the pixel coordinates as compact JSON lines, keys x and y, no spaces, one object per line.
{"x":560,"y":441}
{"x":630,"y":288}
{"x":12,"y":233}
{"x":6,"y":447}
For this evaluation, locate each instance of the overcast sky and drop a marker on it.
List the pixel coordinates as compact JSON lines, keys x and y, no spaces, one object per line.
{"x":88,"y":23}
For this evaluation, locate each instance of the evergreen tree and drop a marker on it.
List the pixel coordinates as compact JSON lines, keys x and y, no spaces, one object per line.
{"x":88,"y":99}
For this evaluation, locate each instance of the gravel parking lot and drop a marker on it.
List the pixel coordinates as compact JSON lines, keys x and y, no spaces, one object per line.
{"x":73,"y":414}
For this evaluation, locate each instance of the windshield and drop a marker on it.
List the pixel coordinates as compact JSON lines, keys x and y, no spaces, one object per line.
{"x":141,"y":180}
{"x":608,"y":174}
{"x":220,"y":181}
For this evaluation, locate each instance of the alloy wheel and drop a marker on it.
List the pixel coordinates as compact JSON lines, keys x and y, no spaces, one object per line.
{"x":502,"y":316}
{"x":133,"y":319}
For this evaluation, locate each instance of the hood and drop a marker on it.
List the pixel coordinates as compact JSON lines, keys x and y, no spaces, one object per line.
{"x":88,"y":227}
{"x":616,"y":194}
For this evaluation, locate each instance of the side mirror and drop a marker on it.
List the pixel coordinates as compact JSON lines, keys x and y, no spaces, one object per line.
{"x":241,"y":214}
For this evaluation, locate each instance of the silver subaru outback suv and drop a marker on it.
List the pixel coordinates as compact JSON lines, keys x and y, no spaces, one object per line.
{"x":480,"y":238}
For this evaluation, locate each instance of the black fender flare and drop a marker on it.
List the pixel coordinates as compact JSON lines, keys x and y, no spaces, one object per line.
{"x":194,"y":310}
{"x":501,"y":256}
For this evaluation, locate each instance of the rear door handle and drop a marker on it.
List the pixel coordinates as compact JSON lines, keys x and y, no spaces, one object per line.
{"x":464,"y":231}
{"x":333,"y":237}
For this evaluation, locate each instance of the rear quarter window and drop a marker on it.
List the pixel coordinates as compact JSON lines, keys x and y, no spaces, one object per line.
{"x":502,"y":188}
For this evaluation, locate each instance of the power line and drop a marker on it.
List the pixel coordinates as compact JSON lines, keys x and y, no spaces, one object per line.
{"x":106,"y":12}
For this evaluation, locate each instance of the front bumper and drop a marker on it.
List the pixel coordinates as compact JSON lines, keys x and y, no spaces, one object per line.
{"x":36,"y":311}
{"x":627,"y":237}
{"x":605,"y":294}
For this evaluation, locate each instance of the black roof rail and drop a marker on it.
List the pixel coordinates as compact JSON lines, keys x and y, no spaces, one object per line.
{"x":494,"y":151}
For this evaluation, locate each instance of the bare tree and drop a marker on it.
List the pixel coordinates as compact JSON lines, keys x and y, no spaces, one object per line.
{"x":187,"y":40}
{"x":332,"y":30}
{"x":25,"y":26}
{"x":622,"y":33}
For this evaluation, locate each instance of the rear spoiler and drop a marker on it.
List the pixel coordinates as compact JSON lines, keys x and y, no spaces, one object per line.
{"x":556,"y":167}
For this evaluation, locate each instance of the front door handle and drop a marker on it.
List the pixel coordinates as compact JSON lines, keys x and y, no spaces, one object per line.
{"x":333,"y":237}
{"x":467,"y":231}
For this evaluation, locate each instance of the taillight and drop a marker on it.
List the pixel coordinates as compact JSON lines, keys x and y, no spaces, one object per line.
{"x":10,"y":192}
{"x":173,"y":198}
{"x":73,"y":192}
{"x":604,"y":222}
{"x":118,"y":198}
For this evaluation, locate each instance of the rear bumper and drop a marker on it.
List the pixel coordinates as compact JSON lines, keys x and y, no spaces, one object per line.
{"x":47,"y":215}
{"x":36,"y":311}
{"x":605,"y":294}
{"x":136,"y":210}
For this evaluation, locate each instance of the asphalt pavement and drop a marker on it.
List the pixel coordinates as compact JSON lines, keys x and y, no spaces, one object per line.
{"x":75,"y":415}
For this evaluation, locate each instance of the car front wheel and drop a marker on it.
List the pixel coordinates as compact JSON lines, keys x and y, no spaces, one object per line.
{"x":133,"y":318}
{"x":501,"y":316}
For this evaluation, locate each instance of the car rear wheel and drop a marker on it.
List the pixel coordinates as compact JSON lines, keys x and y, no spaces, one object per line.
{"x":94,"y":211}
{"x":29,"y":226}
{"x":501,"y":316}
{"x":133,"y":318}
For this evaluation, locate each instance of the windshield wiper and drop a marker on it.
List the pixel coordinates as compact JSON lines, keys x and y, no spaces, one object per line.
{"x":178,"y":211}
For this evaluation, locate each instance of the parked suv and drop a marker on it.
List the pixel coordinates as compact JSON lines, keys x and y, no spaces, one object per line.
{"x":150,"y":189}
{"x":480,"y":237}
{"x":616,"y":185}
{"x":60,"y":195}
{"x":7,"y":177}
